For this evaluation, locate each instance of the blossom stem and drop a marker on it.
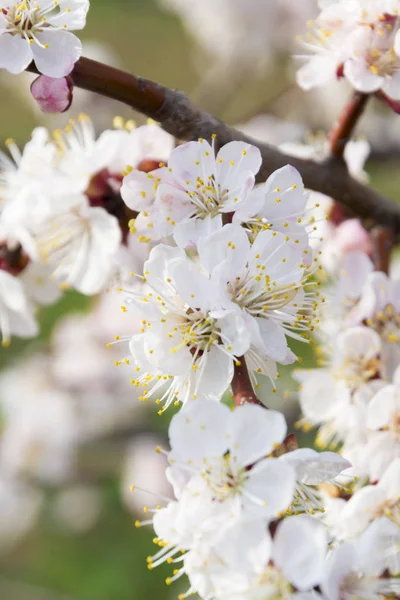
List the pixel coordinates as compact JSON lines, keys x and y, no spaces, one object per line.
{"x":382,"y":241}
{"x":242,"y":389}
{"x":348,"y":119}
{"x":183,"y":120}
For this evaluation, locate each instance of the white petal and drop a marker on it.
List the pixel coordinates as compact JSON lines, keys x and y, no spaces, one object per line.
{"x":137,"y":190}
{"x":359,"y":343}
{"x":359,"y":511}
{"x":59,"y":58}
{"x":313,"y":468}
{"x":255,"y":432}
{"x":192,"y":287}
{"x":200,"y":430}
{"x":361,"y":77}
{"x":190,"y":161}
{"x":245,"y":158}
{"x":382,"y":407}
{"x":390,"y":481}
{"x":229,"y":245}
{"x":15,"y":53}
{"x":217,"y":375}
{"x":340,"y":563}
{"x":391,"y":86}
{"x":316,"y":72}
{"x":274,"y":340}
{"x":188,"y":233}
{"x":269,"y":488}
{"x":299,"y":551}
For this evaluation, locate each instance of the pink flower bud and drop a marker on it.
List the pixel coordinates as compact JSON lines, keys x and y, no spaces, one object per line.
{"x":53,"y":95}
{"x":351,"y":236}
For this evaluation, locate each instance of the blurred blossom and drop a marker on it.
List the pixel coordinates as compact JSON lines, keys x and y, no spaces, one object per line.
{"x":240,"y":32}
{"x":271,"y":129}
{"x":19,"y":508}
{"x":39,"y":430}
{"x":77,"y":509}
{"x":144,"y":467}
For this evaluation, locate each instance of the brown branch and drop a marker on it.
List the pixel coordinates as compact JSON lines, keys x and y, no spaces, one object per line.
{"x":382,"y":242}
{"x":346,"y":124}
{"x":180,"y":118}
{"x":242,"y":389}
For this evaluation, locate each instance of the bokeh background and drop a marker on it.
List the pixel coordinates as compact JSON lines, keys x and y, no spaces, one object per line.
{"x":67,"y":529}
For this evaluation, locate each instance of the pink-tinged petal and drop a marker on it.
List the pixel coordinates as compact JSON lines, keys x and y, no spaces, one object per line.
{"x":188,"y":233}
{"x":192,"y":286}
{"x":255,"y":433}
{"x":15,"y":53}
{"x":58,"y":57}
{"x":236,"y":158}
{"x":316,"y":72}
{"x":53,"y":95}
{"x":137,"y":190}
{"x":172,"y":207}
{"x":190,"y":161}
{"x":299,"y":551}
{"x":350,"y":236}
{"x":361,"y":77}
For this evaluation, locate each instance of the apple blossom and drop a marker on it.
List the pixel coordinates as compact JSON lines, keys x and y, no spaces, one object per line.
{"x":41,"y":32}
{"x":188,"y":198}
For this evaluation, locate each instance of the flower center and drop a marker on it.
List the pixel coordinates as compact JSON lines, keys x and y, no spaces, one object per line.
{"x":387,"y":324}
{"x":27,"y":19}
{"x":358,"y":371}
{"x":208,"y":197}
{"x":257,"y":294}
{"x":274,"y":584}
{"x":223,"y":478}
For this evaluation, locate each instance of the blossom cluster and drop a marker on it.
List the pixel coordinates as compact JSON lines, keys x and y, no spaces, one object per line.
{"x":236,"y":528}
{"x":230,"y":276}
{"x":217,"y":271}
{"x":62,"y":221}
{"x":357,"y":40}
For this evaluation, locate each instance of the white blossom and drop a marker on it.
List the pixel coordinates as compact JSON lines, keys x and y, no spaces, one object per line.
{"x":188,"y":198}
{"x":40,"y":31}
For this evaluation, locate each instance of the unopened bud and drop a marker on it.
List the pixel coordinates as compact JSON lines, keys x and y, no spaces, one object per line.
{"x":53,"y":95}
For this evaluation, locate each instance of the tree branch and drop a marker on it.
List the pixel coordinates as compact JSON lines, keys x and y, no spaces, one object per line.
{"x":242,"y":389}
{"x":382,"y":241}
{"x":179,"y":117}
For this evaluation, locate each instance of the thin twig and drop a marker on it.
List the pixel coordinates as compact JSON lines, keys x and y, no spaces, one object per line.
{"x":179,"y":117}
{"x":346,"y":124}
{"x":242,"y":389}
{"x":382,"y":244}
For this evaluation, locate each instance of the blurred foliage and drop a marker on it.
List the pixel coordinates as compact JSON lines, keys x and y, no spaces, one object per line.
{"x":109,"y":562}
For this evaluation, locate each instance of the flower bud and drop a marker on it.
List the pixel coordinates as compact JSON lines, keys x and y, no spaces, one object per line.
{"x":53,"y":95}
